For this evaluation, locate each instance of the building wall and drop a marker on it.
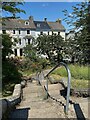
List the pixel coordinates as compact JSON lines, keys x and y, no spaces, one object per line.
{"x":24,"y":41}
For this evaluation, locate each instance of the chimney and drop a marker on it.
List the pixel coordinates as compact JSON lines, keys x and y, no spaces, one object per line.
{"x":45,"y":19}
{"x":31,"y":18}
{"x":58,"y":20}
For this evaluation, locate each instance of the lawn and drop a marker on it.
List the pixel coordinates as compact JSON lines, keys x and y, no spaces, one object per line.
{"x":79,"y":75}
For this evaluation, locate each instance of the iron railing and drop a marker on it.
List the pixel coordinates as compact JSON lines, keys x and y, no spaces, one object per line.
{"x":68,"y":83}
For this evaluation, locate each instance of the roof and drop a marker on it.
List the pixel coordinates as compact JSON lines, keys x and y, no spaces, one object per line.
{"x":17,"y":23}
{"x":37,"y":25}
{"x":56,"y":26}
{"x":42,"y":25}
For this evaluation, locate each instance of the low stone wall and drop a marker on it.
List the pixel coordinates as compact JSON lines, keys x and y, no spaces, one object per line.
{"x":10,"y":103}
{"x":73,"y":92}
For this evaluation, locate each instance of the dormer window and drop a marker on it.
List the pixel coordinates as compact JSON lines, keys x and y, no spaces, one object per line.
{"x":38,"y":25}
{"x":26,"y":23}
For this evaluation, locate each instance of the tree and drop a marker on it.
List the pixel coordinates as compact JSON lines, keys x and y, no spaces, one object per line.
{"x":10,"y":74}
{"x":51,"y":46}
{"x":6,"y":46}
{"x":11,"y":7}
{"x":78,"y":19}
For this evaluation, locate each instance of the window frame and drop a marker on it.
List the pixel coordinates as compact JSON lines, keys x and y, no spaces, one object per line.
{"x":19,"y":31}
{"x":13,"y":31}
{"x":20,"y":42}
{"x":28,"y":31}
{"x":3,"y":31}
{"x":41,"y":32}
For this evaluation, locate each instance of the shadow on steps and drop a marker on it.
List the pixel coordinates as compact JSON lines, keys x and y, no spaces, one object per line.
{"x":19,"y":114}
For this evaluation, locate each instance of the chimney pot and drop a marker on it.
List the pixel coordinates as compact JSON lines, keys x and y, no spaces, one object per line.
{"x":45,"y":19}
{"x":58,"y":20}
{"x":31,"y":18}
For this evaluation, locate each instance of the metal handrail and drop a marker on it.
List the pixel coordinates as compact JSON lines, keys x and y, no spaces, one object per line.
{"x":68,"y":83}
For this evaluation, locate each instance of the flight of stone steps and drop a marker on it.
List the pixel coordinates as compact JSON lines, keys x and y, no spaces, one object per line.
{"x":35,"y":104}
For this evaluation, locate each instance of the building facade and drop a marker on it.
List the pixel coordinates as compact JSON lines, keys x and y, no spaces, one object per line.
{"x":24,"y":30}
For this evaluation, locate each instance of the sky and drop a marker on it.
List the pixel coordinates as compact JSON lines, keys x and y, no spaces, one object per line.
{"x":50,"y":10}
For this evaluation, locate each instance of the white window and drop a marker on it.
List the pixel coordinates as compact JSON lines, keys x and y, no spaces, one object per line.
{"x":20,"y":41}
{"x":38,"y":25}
{"x":58,"y":33}
{"x":4,"y":31}
{"x":29,"y":41}
{"x":19,"y":32}
{"x":48,"y":32}
{"x":13,"y":31}
{"x":15,"y":51}
{"x":26,"y":23}
{"x":28,"y":31}
{"x":41,"y":33}
{"x":21,"y":52}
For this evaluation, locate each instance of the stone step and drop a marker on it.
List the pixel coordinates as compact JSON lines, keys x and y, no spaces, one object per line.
{"x":35,"y":104}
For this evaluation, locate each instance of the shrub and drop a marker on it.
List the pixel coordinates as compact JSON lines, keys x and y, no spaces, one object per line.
{"x":10,"y":75}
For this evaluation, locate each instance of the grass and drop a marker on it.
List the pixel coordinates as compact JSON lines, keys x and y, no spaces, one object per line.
{"x":79,"y":76}
{"x":77,"y":72}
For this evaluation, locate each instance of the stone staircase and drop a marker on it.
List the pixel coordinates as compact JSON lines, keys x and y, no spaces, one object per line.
{"x":35,"y":105}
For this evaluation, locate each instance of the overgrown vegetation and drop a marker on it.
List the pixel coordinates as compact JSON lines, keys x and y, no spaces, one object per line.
{"x":80,"y":76}
{"x":77,"y":72}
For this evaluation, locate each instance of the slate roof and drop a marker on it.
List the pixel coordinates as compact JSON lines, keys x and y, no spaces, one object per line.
{"x":56,"y":26}
{"x":42,"y":25}
{"x":17,"y":24}
{"x":37,"y":25}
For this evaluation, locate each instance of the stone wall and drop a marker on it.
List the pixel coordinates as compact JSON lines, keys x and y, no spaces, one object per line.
{"x":9,"y":103}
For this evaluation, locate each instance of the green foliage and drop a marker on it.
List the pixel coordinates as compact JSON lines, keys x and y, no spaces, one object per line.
{"x":12,"y":8}
{"x":78,"y":20}
{"x":7,"y":44}
{"x":10,"y":72}
{"x":10,"y":76}
{"x":77,"y":72}
{"x":51,"y":45}
{"x":33,"y":60}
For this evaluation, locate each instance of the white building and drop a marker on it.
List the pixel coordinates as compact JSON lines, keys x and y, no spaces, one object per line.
{"x":24,"y":30}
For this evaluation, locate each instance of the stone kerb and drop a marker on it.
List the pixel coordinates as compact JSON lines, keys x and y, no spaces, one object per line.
{"x":9,"y":103}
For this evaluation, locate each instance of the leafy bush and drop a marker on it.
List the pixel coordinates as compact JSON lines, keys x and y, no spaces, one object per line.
{"x":28,"y":65}
{"x":10,"y":76}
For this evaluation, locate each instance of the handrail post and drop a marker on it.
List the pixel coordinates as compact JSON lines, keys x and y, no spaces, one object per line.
{"x":47,"y":87}
{"x":68,"y":84}
{"x":68,"y":87}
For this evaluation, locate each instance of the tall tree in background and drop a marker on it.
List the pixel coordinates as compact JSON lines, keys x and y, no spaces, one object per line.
{"x":51,"y":46}
{"x":78,"y":19}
